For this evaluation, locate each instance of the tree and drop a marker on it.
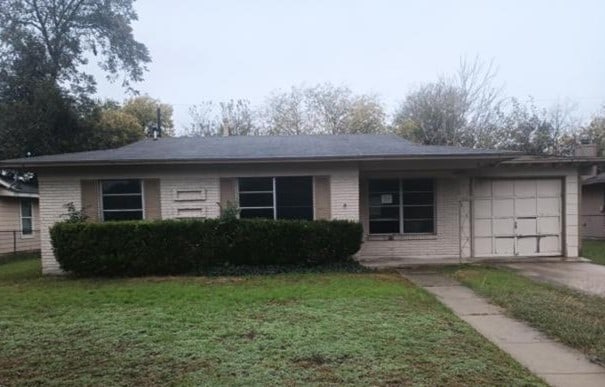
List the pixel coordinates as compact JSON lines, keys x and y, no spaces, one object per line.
{"x":113,"y":128}
{"x":322,"y":109}
{"x":462,"y":109}
{"x":595,"y":130}
{"x":233,"y":118}
{"x":237,"y":118}
{"x":366,"y":116}
{"x":144,"y":109}
{"x":69,"y":32}
{"x":288,"y":113}
{"x":525,"y":128}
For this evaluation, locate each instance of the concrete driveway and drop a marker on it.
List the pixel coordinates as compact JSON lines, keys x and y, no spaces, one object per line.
{"x":582,"y":276}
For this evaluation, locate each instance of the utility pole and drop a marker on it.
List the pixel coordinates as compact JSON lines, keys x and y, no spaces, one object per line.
{"x":159,"y":122}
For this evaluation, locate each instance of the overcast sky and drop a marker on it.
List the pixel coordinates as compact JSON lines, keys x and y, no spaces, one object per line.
{"x":218,"y":50}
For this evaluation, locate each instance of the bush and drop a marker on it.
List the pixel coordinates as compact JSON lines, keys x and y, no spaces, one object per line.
{"x":166,"y":247}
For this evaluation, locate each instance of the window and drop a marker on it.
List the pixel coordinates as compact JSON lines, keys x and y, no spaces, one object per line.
{"x":401,"y":206}
{"x":27,"y":217}
{"x":122,"y":200}
{"x":276,"y":197}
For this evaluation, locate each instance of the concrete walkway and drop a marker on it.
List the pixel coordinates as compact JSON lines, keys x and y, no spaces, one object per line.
{"x":556,"y":363}
{"x":583,"y":276}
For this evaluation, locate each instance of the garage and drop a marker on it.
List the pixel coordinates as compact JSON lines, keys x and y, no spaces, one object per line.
{"x":517,"y":217}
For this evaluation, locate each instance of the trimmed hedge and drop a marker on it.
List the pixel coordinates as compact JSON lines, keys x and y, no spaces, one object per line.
{"x":165,"y":247}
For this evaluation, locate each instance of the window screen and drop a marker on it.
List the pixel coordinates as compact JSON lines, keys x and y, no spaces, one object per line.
{"x":289,"y":197}
{"x":122,"y":200}
{"x":401,"y":206}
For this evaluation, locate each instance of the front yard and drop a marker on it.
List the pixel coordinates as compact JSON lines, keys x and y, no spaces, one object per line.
{"x":594,"y":250}
{"x":574,"y":318}
{"x":331,"y":328}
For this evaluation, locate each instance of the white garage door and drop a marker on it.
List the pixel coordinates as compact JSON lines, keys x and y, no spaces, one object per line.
{"x":520,"y":217}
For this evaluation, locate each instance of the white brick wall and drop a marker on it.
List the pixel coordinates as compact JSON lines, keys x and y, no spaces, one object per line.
{"x":170,"y":185}
{"x":54,"y":194}
{"x":571,"y":237}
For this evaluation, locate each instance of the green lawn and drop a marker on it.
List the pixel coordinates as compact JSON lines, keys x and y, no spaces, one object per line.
{"x":594,"y":250}
{"x":574,"y":318}
{"x":332,"y":328}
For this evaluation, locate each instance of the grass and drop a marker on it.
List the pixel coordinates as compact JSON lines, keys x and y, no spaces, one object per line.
{"x":287,"y":329}
{"x":574,"y":318}
{"x":594,"y":250}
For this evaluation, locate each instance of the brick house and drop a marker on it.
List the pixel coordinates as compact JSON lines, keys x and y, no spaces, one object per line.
{"x":416,"y":203}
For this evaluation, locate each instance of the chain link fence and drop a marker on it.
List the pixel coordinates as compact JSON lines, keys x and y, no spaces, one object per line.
{"x":15,"y":242}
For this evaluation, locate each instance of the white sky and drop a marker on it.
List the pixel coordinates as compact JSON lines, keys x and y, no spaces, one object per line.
{"x":223,"y":49}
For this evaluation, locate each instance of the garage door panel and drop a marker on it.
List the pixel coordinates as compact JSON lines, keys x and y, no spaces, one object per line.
{"x":549,"y":206}
{"x":549,"y":188}
{"x":503,"y":207}
{"x":483,"y":228}
{"x":527,"y":226}
{"x":550,"y":245}
{"x":525,"y":188}
{"x":504,"y":227}
{"x":483,"y":246}
{"x":549,"y":225}
{"x":527,"y":246}
{"x":526,"y":207}
{"x":503,"y":188}
{"x":482,"y":208}
{"x":505,"y":246}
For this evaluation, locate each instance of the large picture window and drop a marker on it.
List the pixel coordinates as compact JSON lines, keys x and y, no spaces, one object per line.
{"x":122,"y":200}
{"x":27,"y":217}
{"x":401,"y":206}
{"x":289,"y":197}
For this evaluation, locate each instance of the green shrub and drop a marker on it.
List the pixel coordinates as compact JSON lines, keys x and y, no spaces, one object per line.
{"x":167,"y":247}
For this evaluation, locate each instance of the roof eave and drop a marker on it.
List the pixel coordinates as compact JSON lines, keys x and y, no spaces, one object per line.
{"x":33,"y":163}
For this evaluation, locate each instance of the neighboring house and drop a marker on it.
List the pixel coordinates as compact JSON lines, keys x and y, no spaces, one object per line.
{"x":593,"y":207}
{"x":19,"y":217}
{"x":416,"y":203}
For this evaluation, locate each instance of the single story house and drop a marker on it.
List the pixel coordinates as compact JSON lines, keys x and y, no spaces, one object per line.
{"x":19,"y":216}
{"x":415,"y":202}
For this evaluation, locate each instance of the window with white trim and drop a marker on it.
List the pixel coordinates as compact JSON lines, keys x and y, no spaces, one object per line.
{"x":122,"y":200}
{"x":401,"y":206}
{"x":27,"y":217}
{"x":289,"y":197}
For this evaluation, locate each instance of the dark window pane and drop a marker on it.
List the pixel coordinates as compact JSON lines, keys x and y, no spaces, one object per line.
{"x":391,"y":213}
{"x":26,"y":207}
{"x":417,"y":185}
{"x":378,"y":199}
{"x":294,"y":197}
{"x":294,"y":191}
{"x":122,"y":215}
{"x":256,"y":200}
{"x":295,"y":213}
{"x":378,"y":227}
{"x":417,"y":198}
{"x":417,"y":226}
{"x":122,"y":202}
{"x":384,"y":185}
{"x":255,"y":184}
{"x":418,"y":212}
{"x":256,"y":213}
{"x":26,"y":226}
{"x":121,"y":186}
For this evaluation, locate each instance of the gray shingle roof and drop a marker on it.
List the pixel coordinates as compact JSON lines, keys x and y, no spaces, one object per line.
{"x":259,"y":148}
